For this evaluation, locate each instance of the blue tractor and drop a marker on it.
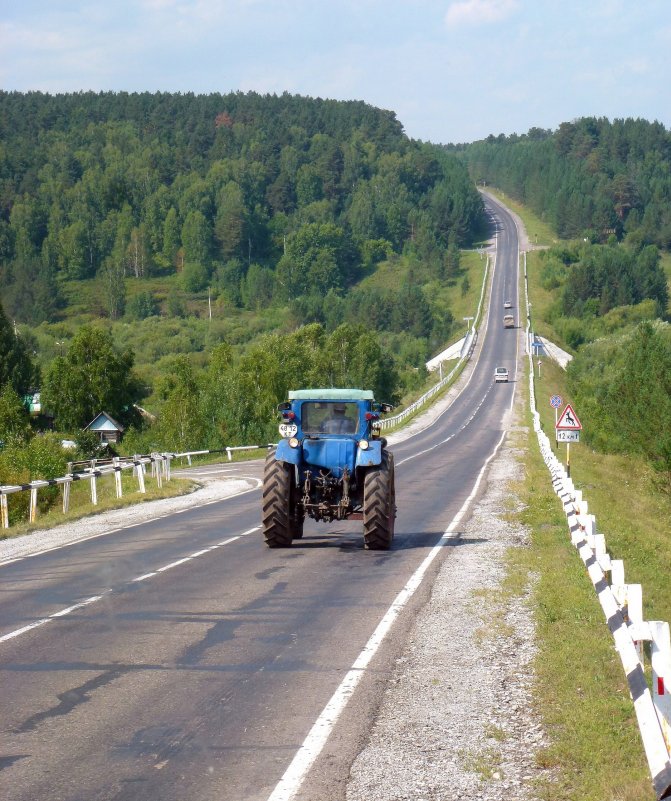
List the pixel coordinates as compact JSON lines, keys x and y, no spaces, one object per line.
{"x":331,"y":464}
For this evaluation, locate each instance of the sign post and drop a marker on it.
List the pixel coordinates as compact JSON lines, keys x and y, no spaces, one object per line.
{"x":567,"y":429}
{"x":555,"y":402}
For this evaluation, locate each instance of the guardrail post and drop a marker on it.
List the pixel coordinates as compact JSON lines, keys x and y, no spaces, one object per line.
{"x":32,"y":510}
{"x":661,"y":676}
{"x":140,"y":478}
{"x":117,"y":477}
{"x":66,"y":495}
{"x":229,"y":454}
{"x":4,"y":511}
{"x":166,"y":465}
{"x":159,"y":470}
{"x":94,"y":490}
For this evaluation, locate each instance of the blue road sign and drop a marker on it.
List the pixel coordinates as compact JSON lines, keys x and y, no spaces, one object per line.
{"x":555,"y":401}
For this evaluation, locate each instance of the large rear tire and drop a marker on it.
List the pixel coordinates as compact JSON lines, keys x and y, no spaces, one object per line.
{"x":280,"y":522}
{"x":379,"y":505}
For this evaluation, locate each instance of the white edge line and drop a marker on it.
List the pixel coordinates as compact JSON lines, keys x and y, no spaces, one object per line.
{"x":124,"y":528}
{"x":63,"y":612}
{"x":295,"y":774}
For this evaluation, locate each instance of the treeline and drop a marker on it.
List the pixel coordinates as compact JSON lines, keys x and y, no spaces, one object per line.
{"x":602,"y":288}
{"x":589,"y":178}
{"x":262,"y":199}
{"x":231,"y":401}
{"x":622,"y":385}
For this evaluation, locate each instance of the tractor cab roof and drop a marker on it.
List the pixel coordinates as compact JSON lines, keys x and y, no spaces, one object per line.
{"x":331,"y":394}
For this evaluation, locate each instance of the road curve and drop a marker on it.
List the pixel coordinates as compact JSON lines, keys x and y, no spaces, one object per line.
{"x":181,"y":659}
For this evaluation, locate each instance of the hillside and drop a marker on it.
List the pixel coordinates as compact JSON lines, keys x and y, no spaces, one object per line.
{"x":180,"y":223}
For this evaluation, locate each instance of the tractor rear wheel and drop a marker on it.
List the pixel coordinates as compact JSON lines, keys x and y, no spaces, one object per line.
{"x":379,"y":505}
{"x":281,"y":524}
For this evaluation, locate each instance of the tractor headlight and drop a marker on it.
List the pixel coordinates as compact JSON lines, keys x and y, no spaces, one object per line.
{"x":363,"y":444}
{"x":293,"y":442}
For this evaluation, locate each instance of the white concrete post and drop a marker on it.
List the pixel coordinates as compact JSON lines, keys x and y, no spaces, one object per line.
{"x":32,"y":513}
{"x":661,"y":676}
{"x":94,"y":490}
{"x":66,"y":495}
{"x":117,"y":478}
{"x":140,"y":479}
{"x":634,"y":601}
{"x":230,"y":454}
{"x":159,"y":471}
{"x":4,"y":511}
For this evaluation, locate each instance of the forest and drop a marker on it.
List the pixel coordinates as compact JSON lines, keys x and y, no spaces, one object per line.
{"x":605,"y":188}
{"x":171,"y":252}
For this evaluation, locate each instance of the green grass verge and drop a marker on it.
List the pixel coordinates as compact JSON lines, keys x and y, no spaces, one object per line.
{"x":581,"y":691}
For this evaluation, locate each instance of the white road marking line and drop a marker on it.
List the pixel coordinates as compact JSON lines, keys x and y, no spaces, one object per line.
{"x":13,"y":634}
{"x":447,"y":439}
{"x":295,"y":774}
{"x":63,"y":612}
{"x":129,"y":525}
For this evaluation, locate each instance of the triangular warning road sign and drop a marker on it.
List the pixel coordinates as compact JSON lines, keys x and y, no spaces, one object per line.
{"x":568,"y":420}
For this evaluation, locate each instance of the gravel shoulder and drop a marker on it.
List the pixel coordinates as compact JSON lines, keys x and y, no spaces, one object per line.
{"x":456,"y":720}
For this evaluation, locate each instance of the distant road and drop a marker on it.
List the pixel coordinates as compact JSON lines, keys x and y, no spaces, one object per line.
{"x":181,"y":660}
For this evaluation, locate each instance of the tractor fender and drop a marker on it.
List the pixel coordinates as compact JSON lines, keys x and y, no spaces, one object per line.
{"x":285,"y":453}
{"x":371,"y":456}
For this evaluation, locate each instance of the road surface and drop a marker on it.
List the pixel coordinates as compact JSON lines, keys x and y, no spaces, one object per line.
{"x":181,"y":659}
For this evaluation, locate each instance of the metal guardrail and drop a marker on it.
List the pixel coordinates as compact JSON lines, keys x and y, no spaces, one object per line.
{"x":467,"y":349}
{"x":622,"y":605}
{"x":160,"y":469}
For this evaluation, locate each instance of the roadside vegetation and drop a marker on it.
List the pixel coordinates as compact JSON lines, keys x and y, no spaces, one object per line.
{"x":581,"y":690}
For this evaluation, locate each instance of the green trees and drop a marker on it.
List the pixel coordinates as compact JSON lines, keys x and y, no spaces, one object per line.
{"x":92,"y":377}
{"x":14,"y":421}
{"x":90,"y":196}
{"x":16,"y":367}
{"x":620,"y":385}
{"x":591,"y":177}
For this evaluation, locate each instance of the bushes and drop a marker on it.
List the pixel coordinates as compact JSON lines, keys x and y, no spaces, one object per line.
{"x":42,"y":457}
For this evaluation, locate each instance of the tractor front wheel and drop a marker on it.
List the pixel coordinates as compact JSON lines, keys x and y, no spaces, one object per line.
{"x":281,"y":523}
{"x":379,"y":505}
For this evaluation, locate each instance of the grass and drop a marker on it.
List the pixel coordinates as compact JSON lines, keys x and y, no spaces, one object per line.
{"x":581,"y":691}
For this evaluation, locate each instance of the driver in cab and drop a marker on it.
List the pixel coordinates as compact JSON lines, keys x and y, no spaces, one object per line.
{"x":338,"y":422}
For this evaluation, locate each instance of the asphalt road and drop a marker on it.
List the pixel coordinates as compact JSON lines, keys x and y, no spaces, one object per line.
{"x":182,"y":659}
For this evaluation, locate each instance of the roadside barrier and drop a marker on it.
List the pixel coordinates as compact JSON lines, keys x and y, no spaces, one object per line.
{"x":644,"y":646}
{"x":466,"y":350}
{"x":159,"y":466}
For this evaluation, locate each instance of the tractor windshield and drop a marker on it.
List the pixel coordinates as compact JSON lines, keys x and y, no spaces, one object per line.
{"x":329,"y":417}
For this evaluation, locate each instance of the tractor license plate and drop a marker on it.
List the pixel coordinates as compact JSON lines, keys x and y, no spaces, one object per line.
{"x":288,"y":429}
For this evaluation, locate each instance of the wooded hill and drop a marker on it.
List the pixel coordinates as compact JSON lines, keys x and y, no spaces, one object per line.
{"x":268,"y":198}
{"x":192,"y":223}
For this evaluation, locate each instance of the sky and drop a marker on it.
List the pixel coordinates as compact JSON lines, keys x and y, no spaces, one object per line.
{"x":451,"y":70}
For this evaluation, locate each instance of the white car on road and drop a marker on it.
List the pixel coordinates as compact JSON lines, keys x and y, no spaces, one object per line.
{"x":500,"y":374}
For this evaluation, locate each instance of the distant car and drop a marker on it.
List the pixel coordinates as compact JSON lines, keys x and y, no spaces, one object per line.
{"x":507,"y":305}
{"x":500,"y":374}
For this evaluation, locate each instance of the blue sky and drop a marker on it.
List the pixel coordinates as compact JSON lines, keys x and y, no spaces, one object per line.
{"x":452,"y":70}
